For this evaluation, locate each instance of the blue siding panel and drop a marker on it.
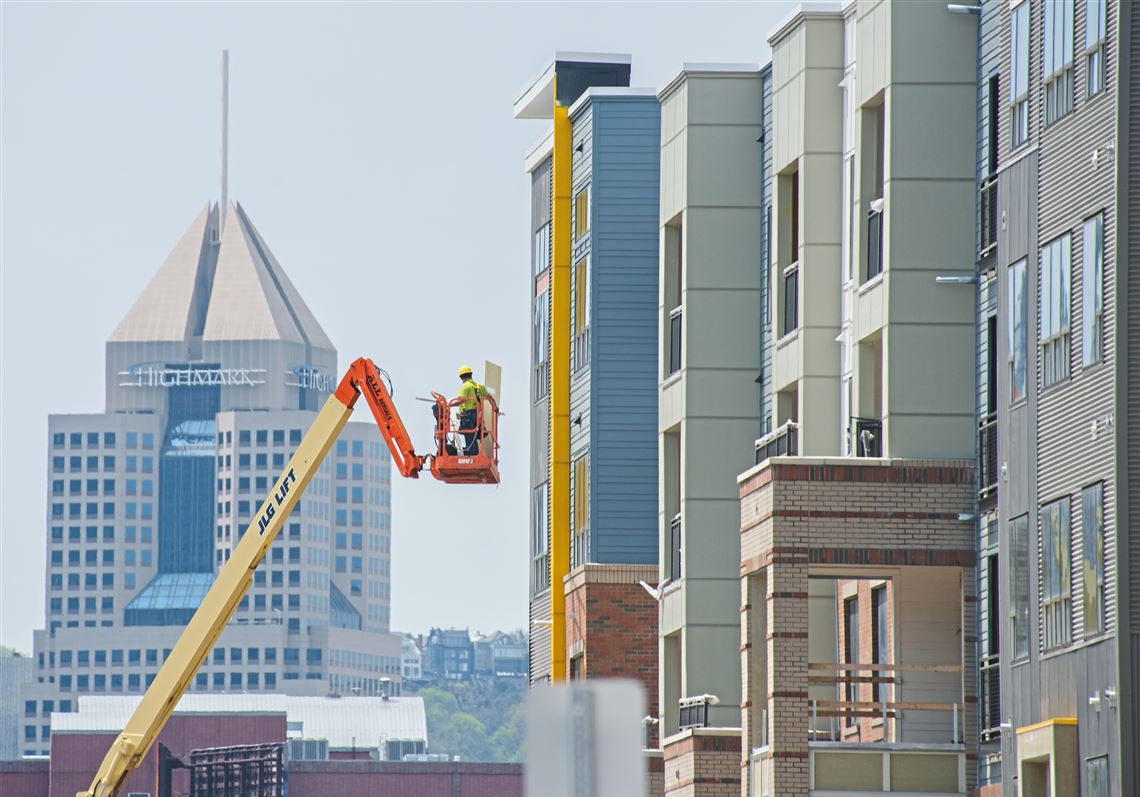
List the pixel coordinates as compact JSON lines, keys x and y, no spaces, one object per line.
{"x":623,"y":387}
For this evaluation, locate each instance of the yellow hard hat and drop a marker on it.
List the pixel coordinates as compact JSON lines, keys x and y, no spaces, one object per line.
{"x":465,"y":370}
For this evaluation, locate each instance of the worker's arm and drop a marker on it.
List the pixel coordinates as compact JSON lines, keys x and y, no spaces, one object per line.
{"x":218,"y":606}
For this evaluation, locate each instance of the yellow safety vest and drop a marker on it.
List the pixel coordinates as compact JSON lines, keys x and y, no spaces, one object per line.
{"x":471,"y":391}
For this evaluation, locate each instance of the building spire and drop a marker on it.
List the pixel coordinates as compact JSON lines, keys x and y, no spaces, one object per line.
{"x":225,"y":140}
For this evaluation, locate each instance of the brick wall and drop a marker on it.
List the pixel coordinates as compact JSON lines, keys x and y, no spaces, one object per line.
{"x":838,"y":518}
{"x":703,"y":762}
{"x":611,"y":625}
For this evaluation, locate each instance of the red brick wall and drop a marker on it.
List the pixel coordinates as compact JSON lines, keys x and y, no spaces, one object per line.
{"x":371,"y":778}
{"x":611,"y":621}
{"x":24,"y":778}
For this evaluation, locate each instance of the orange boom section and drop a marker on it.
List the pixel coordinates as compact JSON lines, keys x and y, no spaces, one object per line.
{"x":449,"y":462}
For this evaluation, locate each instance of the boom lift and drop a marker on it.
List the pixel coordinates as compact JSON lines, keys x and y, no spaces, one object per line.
{"x":447,"y":463}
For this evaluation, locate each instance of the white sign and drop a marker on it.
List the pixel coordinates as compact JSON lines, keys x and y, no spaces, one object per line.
{"x":158,"y":376}
{"x":310,"y":378}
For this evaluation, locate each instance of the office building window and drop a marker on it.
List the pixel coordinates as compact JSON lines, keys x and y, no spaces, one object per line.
{"x":581,"y":313}
{"x":1019,"y":584}
{"x":1056,"y":612}
{"x":1056,"y":292}
{"x":1057,"y":61}
{"x":1094,"y":45}
{"x":582,"y":212}
{"x":1018,"y":343}
{"x":1092,"y":290}
{"x":1096,"y":775}
{"x":1019,"y":75}
{"x":1092,"y":558}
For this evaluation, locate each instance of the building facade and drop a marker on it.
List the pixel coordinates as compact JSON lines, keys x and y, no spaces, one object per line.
{"x":212,"y":378}
{"x":594,"y":189}
{"x":16,"y":671}
{"x":1056,"y":214}
{"x":712,"y":363}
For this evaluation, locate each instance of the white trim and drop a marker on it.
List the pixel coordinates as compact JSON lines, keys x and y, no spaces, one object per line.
{"x":723,"y":70}
{"x":608,"y":91}
{"x":803,"y":12}
{"x":539,"y":152}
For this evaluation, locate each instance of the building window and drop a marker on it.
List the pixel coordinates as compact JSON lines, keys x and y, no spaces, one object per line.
{"x":1056,"y":291}
{"x":1096,"y":771}
{"x":541,"y":354}
{"x":880,"y":645}
{"x":674,"y":281}
{"x":1018,"y":343}
{"x":581,"y":517}
{"x":1092,"y":290}
{"x":1057,"y":63}
{"x":540,"y":537}
{"x":851,"y":649}
{"x":1019,"y":75}
{"x":581,"y":313}
{"x":1092,"y":558}
{"x":791,"y":299}
{"x":582,"y":213}
{"x":542,"y":249}
{"x":1056,"y":613}
{"x":1094,"y":44}
{"x":1019,"y":584}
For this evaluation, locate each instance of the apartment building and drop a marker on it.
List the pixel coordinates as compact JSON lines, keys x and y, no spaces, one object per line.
{"x":1056,"y":212}
{"x":713,"y":366}
{"x":857,"y":561}
{"x":593,"y":282}
{"x":212,"y":377}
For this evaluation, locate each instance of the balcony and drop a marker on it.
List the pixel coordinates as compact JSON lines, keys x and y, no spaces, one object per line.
{"x":990,"y":697}
{"x":867,"y":437}
{"x":875,"y":240}
{"x":784,"y":442}
{"x":988,"y":217}
{"x":695,"y":711}
{"x":987,"y":455}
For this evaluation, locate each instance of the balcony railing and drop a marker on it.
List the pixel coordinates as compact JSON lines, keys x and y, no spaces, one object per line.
{"x":782,"y":442}
{"x":990,"y":697}
{"x":675,"y":548}
{"x":874,"y":243}
{"x":987,"y":455}
{"x":988,"y":217}
{"x":675,"y":340}
{"x":867,"y":437}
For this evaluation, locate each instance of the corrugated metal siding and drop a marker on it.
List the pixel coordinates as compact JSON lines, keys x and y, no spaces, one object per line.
{"x":580,"y":409}
{"x":625,"y":233}
{"x":765,"y":250}
{"x":539,"y":639}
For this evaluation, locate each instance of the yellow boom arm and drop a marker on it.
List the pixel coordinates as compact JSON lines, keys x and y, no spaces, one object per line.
{"x":232,"y":582}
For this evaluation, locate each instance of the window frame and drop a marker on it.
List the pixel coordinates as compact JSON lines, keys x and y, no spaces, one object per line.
{"x":1018,"y":575}
{"x":1092,"y":284}
{"x":580,"y":516}
{"x":1054,"y":556}
{"x":582,"y":212}
{"x":1055,"y":301}
{"x":582,"y":311}
{"x":1094,"y":51}
{"x":1019,"y":38}
{"x":1094,"y":593}
{"x":1018,"y":385}
{"x":1057,"y":83}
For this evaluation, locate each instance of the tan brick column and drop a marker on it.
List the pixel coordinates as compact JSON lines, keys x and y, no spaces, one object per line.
{"x":787,"y":599}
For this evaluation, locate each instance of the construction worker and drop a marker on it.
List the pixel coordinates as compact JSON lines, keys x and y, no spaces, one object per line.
{"x":470,"y":394}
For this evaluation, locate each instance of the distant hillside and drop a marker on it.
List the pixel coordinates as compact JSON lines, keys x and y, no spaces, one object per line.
{"x":479,"y":720}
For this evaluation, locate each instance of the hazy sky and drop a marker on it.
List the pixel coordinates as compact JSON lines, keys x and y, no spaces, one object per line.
{"x":374,"y":148}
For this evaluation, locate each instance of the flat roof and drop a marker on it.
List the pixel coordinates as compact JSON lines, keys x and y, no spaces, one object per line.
{"x":539,"y":152}
{"x":707,"y":68}
{"x":801,"y":12}
{"x":536,"y":99}
{"x":610,"y":91}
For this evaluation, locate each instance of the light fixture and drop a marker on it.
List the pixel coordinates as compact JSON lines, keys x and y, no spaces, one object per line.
{"x":957,"y":279}
{"x":961,"y":8}
{"x":580,"y":147}
{"x":655,"y":592}
{"x":1104,"y":150}
{"x":965,"y":516}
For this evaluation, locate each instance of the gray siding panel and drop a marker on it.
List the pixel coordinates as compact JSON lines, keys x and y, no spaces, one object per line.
{"x":623,"y":393}
{"x":765,"y":250}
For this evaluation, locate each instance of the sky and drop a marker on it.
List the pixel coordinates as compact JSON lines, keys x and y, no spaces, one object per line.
{"x":374,"y":148}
